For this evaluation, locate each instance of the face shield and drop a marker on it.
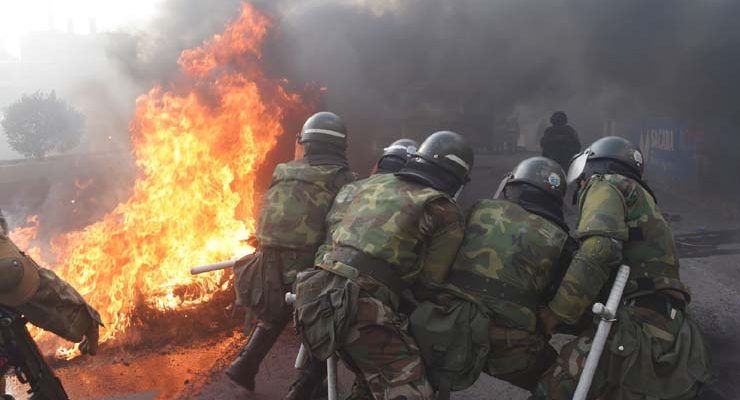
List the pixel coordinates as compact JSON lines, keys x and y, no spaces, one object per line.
{"x":577,"y":166}
{"x":458,"y":193}
{"x":407,"y":150}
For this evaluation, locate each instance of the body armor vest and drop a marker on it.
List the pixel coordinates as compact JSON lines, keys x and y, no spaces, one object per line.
{"x":295,"y":206}
{"x":506,"y":260}
{"x":382,"y":224}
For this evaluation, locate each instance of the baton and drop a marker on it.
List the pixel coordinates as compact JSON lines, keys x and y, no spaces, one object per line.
{"x":300,"y":360}
{"x":331,"y":362}
{"x":608,"y":315}
{"x":201,"y":269}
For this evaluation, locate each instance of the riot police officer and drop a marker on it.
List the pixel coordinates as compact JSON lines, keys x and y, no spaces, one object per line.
{"x":44,"y":299}
{"x":399,"y":231}
{"x":655,"y":349}
{"x":516,"y":248}
{"x":394,"y":158}
{"x":290,"y":228}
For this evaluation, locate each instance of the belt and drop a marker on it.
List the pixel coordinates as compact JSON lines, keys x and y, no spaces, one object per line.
{"x":653,"y":269}
{"x":659,"y":302}
{"x":494,"y":289}
{"x":382,"y":271}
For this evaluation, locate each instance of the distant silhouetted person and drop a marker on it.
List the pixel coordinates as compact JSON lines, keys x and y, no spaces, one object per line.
{"x":560,"y":141}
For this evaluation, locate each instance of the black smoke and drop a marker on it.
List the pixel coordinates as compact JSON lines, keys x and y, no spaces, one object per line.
{"x":149,"y":55}
{"x":406,"y":68}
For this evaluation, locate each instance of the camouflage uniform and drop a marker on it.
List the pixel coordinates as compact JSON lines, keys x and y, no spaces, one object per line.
{"x":655,"y":350}
{"x":393,"y":235}
{"x":47,"y":301}
{"x":506,"y":262}
{"x":335,"y":216}
{"x":290,"y":228}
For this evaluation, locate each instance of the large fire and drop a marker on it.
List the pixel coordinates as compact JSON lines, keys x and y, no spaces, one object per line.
{"x":198,"y":149}
{"x":23,"y":237}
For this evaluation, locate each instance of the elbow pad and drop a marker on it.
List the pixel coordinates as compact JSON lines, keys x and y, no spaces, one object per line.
{"x":586,"y":276}
{"x":600,"y":250}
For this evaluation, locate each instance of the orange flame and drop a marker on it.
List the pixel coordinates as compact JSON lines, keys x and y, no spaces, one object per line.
{"x":198,"y":151}
{"x":24,"y":238}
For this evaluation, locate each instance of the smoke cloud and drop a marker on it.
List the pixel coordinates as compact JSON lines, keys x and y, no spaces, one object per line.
{"x":407,"y":68}
{"x":149,"y":55}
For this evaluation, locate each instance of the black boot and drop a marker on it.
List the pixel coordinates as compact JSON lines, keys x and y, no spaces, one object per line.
{"x":244,"y":369}
{"x":309,"y":382}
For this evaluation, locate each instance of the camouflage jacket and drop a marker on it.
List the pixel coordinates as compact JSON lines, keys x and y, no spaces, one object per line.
{"x":337,"y":211}
{"x":412,"y":229}
{"x":46,"y":301}
{"x":507,"y":259}
{"x":296,"y":204}
{"x":621,"y":210}
{"x":336,"y":214}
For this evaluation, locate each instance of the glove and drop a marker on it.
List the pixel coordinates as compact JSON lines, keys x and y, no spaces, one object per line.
{"x":549,"y":321}
{"x":89,"y":344}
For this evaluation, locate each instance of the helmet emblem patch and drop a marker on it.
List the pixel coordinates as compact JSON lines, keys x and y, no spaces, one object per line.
{"x":638,"y":157}
{"x":554,"y":180}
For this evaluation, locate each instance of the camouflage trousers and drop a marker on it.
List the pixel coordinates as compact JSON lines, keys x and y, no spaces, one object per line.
{"x":518,"y":356}
{"x":648,"y":355}
{"x":386,"y":359}
{"x":261,"y":281}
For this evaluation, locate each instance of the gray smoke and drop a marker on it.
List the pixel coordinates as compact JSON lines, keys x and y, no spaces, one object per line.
{"x":150,"y":54}
{"x":633,"y":57}
{"x":409,"y":67}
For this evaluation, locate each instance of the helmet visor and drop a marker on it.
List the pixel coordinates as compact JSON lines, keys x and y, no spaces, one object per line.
{"x":577,"y":166}
{"x":502,"y":186}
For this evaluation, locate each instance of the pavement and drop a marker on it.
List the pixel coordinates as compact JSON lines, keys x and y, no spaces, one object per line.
{"x":192,"y":369}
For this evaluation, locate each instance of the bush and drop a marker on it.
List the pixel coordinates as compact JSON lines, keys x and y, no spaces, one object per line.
{"x":40,"y":123}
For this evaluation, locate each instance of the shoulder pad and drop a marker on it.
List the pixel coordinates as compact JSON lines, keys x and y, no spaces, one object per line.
{"x":19,"y":277}
{"x":603,"y":211}
{"x":626,"y":186}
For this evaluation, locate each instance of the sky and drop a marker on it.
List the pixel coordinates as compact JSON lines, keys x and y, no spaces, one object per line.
{"x":19,"y":17}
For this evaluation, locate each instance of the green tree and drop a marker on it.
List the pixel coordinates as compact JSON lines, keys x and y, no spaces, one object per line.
{"x":40,"y":123}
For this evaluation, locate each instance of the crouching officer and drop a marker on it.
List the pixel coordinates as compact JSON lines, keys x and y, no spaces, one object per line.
{"x":399,"y":231}
{"x":44,"y":299}
{"x":655,"y":350}
{"x":394,"y":158}
{"x":515,"y":247}
{"x":289,"y":230}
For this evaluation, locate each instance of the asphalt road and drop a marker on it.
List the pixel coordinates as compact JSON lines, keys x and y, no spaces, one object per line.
{"x":194,"y":370}
{"x":714,"y":281}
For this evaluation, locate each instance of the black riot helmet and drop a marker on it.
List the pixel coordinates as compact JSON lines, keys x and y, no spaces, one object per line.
{"x":395,"y":156}
{"x":619,"y":153}
{"x":541,"y":173}
{"x":324,"y":128}
{"x":444,"y":161}
{"x":538,"y":185}
{"x":558,"y":118}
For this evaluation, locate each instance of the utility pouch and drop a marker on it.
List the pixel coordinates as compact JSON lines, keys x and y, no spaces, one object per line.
{"x":325,"y":307}
{"x":453,"y":340}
